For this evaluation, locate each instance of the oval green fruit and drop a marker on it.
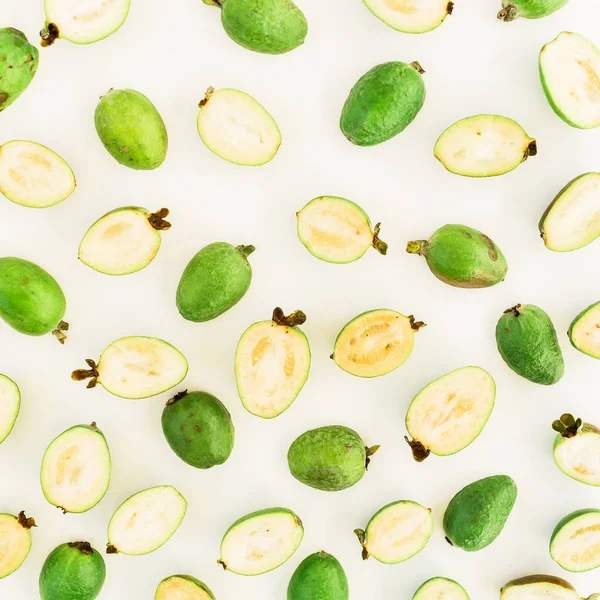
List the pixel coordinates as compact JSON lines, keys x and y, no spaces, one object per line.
{"x":72,"y":571}
{"x":382,"y":103}
{"x":538,"y":586}
{"x":417,"y":16}
{"x":527,"y":342}
{"x":477,"y":514}
{"x":584,"y":331}
{"x":321,"y":576}
{"x":182,"y":587}
{"x":131,"y":129}
{"x":15,"y":541}
{"x":440,"y":588}
{"x":528,"y":9}
{"x":575,"y":541}
{"x":10,"y":404}
{"x":19,"y":65}
{"x":214,"y":281}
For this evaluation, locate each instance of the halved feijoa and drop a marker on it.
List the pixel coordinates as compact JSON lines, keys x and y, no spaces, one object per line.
{"x":15,"y":542}
{"x":534,"y":587}
{"x":146,"y":521}
{"x":396,"y":532}
{"x":321,"y":576}
{"x":234,"y":126}
{"x":575,"y":541}
{"x":124,"y":240}
{"x":136,"y":367}
{"x":272,"y":362}
{"x":484,"y":146}
{"x":76,"y":469}
{"x":337,"y":230}
{"x":84,"y":21}
{"x":261,"y":541}
{"x":411,"y":16}
{"x":572,"y":220}
{"x":375,"y":343}
{"x":449,"y":413}
{"x":441,"y":588}
{"x":10,"y":403}
{"x":584,"y":331}
{"x":528,"y":9}
{"x":182,"y":587}
{"x":34,"y":176}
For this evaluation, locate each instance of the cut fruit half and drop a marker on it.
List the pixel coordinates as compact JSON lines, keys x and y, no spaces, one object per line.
{"x":83,"y":21}
{"x":440,"y":588}
{"x":10,"y":403}
{"x":536,"y":587}
{"x":396,"y":532}
{"x":449,"y":413}
{"x":236,"y":127}
{"x":575,"y":542}
{"x":182,"y":587}
{"x":572,"y":220}
{"x":261,"y":541}
{"x":375,"y":343}
{"x":34,"y":176}
{"x":484,"y":146}
{"x":272,"y":362}
{"x":136,"y":367}
{"x":15,"y":542}
{"x":76,"y":469}
{"x":146,"y":521}
{"x":337,"y":230}
{"x":124,"y":240}
{"x":584,"y":331}
{"x":411,"y":16}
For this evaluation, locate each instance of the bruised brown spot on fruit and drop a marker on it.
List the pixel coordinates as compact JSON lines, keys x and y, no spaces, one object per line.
{"x":3,"y":97}
{"x":492,"y":253}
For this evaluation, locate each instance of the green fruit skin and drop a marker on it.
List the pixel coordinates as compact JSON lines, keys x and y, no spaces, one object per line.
{"x":534,"y":9}
{"x":31,"y":301}
{"x":574,"y":323}
{"x":193,"y":580}
{"x":72,"y":571}
{"x":329,"y":458}
{"x":214,"y":281}
{"x":382,"y":103}
{"x":477,"y":514}
{"x":527,"y":342}
{"x":199,"y":430}
{"x":321,"y":576}
{"x":131,"y":129}
{"x":559,"y":113}
{"x":267,"y":26}
{"x":532,"y":579}
{"x":18,"y":64}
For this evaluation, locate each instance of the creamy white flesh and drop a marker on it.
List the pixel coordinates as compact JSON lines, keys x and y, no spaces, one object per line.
{"x":76,"y":470}
{"x":147,"y":520}
{"x":33,"y":175}
{"x":121,"y":242}
{"x":271,"y":366}
{"x":579,"y":457}
{"x":573,"y":220}
{"x":261,"y":543}
{"x":482,"y":146}
{"x":15,"y":543}
{"x":449,"y":413}
{"x":576,"y":547}
{"x":237,"y":128}
{"x":399,"y":532}
{"x":86,"y":21}
{"x":585,"y":334}
{"x":440,"y":588}
{"x":180,"y":588}
{"x":410,"y":16}
{"x":334,"y":229}
{"x":10,"y":402}
{"x":539,"y":591}
{"x":570,"y":70}
{"x":140,"y":367}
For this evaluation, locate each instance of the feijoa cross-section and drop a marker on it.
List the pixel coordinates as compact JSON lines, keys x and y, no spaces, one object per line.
{"x":533,"y":587}
{"x":575,"y":542}
{"x":10,"y":404}
{"x":412,"y":16}
{"x":15,"y":541}
{"x":584,"y":331}
{"x":441,"y":588}
{"x":182,"y":587}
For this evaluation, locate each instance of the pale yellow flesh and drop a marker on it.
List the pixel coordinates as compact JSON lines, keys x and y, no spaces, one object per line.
{"x":579,"y":457}
{"x":585,"y":335}
{"x":441,"y":589}
{"x":410,"y":16}
{"x":538,"y":591}
{"x":577,"y":546}
{"x":10,"y":402}
{"x":15,"y":543}
{"x":179,"y":588}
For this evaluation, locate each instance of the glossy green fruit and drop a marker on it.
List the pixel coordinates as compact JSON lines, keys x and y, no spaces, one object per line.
{"x":321,"y":576}
{"x":462,"y":257}
{"x":10,"y":404}
{"x":214,"y":281}
{"x":382,"y":103}
{"x":131,"y":129}
{"x":440,"y":588}
{"x":182,"y":587}
{"x":575,"y":542}
{"x":584,"y":331}
{"x":528,"y":9}
{"x":72,"y":571}
{"x":18,"y":65}
{"x":527,"y":342}
{"x":15,"y":541}
{"x":477,"y":514}
{"x":411,"y":17}
{"x":533,"y":587}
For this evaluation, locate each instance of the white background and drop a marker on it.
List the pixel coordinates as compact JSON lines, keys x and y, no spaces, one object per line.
{"x":172,"y":51}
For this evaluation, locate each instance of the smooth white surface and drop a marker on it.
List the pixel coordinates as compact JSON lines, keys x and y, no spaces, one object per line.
{"x":172,"y":52}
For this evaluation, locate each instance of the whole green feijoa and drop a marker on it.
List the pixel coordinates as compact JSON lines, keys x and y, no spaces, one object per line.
{"x":18,"y":64}
{"x":462,"y":257}
{"x":527,"y":342}
{"x":73,"y":571}
{"x":528,"y":9}
{"x":214,"y":281}
{"x":321,"y":576}
{"x":182,"y":587}
{"x":477,"y":514}
{"x":199,"y":429}
{"x":382,"y":103}
{"x":131,"y":129}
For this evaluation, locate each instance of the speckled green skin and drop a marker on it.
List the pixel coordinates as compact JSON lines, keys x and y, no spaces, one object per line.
{"x":527,"y":342}
{"x":267,"y":26}
{"x":18,"y":64}
{"x":214,"y":280}
{"x":199,"y":429}
{"x":574,"y":323}
{"x":423,"y":592}
{"x":329,"y":458}
{"x":462,"y":257}
{"x":531,"y":580}
{"x":189,"y":578}
{"x":382,"y":103}
{"x":319,"y":576}
{"x":477,"y":514}
{"x":73,"y":571}
{"x":534,"y":9}
{"x":31,"y":300}
{"x":131,"y":129}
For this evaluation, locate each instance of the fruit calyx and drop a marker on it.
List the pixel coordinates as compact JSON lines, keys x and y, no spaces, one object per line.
{"x":362,"y":538}
{"x":370,"y":451}
{"x":419,"y":452}
{"x":83,"y":547}
{"x":209,"y":92}
{"x":49,"y":35}
{"x":222,"y":563}
{"x":531,"y":150}
{"x":515,"y":310}
{"x":508,"y":13}
{"x":417,"y":247}
{"x":83,"y":374}
{"x":417,"y":67}
{"x":450,"y":8}
{"x":24,"y":521}
{"x":110,"y":549}
{"x":293,"y":320}
{"x":416,"y":325}
{"x":176,"y":397}
{"x":157,"y":220}
{"x":378,"y":244}
{"x":58,"y":332}
{"x":245,"y":250}
{"x":567,"y":426}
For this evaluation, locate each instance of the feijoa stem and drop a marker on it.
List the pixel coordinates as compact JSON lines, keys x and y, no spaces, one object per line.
{"x":58,"y":332}
{"x":508,"y":13}
{"x":419,"y":452}
{"x":157,"y":220}
{"x":293,"y":320}
{"x":110,"y":549}
{"x":362,"y":538}
{"x":567,"y":425}
{"x":24,"y":521}
{"x":49,"y":35}
{"x":450,"y":8}
{"x":370,"y":451}
{"x":222,"y":563}
{"x":416,"y":325}
{"x":378,"y":244}
{"x":176,"y":397}
{"x":417,"y":67}
{"x":246,"y":250}
{"x":515,"y":310}
{"x":417,"y":247}
{"x":83,"y":374}
{"x":531,"y":150}
{"x":209,"y":92}
{"x":83,"y":547}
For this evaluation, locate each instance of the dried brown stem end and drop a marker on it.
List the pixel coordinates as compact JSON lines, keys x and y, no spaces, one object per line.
{"x":83,"y":374}
{"x":509,"y":13}
{"x":83,"y":547}
{"x":416,"y":325}
{"x":450,"y":8}
{"x":419,"y":452}
{"x":417,"y":67}
{"x":293,"y":320}
{"x":157,"y":220}
{"x":222,"y":563}
{"x":24,"y":521}
{"x":378,"y":244}
{"x":58,"y":332}
{"x":531,"y":150}
{"x":515,"y":310}
{"x":370,"y":451}
{"x":209,"y":92}
{"x":362,"y":538}
{"x":110,"y":549}
{"x":176,"y":397}
{"x":49,"y":35}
